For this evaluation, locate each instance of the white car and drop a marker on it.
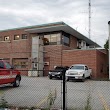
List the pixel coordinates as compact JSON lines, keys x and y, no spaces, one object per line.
{"x":78,"y":71}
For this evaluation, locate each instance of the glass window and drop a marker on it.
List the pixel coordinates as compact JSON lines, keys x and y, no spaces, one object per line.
{"x":53,"y":39}
{"x":77,"y":67}
{"x":20,"y":63}
{"x":24,"y":36}
{"x":0,"y":38}
{"x":46,"y":39}
{"x":58,"y":38}
{"x":6,"y":38}
{"x":16,"y":37}
{"x":86,"y":68}
{"x":8,"y":66}
{"x":65,"y":38}
{"x":1,"y":65}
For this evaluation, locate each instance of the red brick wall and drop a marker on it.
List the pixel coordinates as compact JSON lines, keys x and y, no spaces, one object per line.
{"x":15,"y":48}
{"x":73,"y":42}
{"x":102,"y":61}
{"x":22,"y":49}
{"x":92,"y":58}
{"x":53,"y":52}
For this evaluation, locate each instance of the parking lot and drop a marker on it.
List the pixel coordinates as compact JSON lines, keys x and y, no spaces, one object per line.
{"x":34,"y":91}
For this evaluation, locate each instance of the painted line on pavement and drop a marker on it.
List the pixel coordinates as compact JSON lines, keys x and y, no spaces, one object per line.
{"x":103,"y":101}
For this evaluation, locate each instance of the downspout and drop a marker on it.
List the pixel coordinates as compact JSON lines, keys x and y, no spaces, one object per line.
{"x":109,"y":47}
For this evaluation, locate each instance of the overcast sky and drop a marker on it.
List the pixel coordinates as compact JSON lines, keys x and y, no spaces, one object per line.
{"x":20,"y":13}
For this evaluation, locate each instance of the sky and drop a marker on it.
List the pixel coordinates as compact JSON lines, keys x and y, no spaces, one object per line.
{"x":75,"y":13}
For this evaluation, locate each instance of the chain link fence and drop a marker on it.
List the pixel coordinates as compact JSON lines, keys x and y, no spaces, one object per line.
{"x":40,"y":92}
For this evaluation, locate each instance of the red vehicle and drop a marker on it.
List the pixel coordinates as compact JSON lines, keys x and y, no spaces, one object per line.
{"x":8,"y":74}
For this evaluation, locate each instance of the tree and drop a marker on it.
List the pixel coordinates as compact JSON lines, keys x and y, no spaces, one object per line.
{"x":106,"y":45}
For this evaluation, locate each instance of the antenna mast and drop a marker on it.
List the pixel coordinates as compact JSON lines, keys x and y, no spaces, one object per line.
{"x":89,"y":19}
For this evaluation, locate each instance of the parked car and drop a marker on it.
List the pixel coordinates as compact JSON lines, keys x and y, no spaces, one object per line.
{"x":78,"y":71}
{"x":8,"y":74}
{"x":57,"y":72}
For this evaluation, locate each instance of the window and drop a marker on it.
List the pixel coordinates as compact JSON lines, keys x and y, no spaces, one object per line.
{"x":0,"y":38}
{"x":6,"y":38}
{"x":58,"y":38}
{"x":24,"y":36}
{"x":77,"y":67}
{"x":1,"y":65}
{"x":20,"y":62}
{"x":8,"y":66}
{"x":86,"y":68}
{"x":16,"y":37}
{"x":52,"y":39}
{"x":46,"y":39}
{"x":66,"y":39}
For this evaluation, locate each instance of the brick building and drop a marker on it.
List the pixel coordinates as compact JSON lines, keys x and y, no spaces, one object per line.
{"x":42,"y":47}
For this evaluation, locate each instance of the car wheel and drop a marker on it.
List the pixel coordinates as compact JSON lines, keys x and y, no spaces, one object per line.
{"x":17,"y":82}
{"x":61,"y":77}
{"x":90,"y":77}
{"x":50,"y":77}
{"x":83,"y":78}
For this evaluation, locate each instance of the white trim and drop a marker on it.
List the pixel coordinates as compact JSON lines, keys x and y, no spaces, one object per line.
{"x":7,"y":76}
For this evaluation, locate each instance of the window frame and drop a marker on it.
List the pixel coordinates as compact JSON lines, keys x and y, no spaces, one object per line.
{"x":49,"y":39}
{"x":65,"y":35}
{"x":16,"y":36}
{"x":25,"y":36}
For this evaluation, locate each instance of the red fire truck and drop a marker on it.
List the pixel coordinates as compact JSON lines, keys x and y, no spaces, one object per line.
{"x":8,"y":74}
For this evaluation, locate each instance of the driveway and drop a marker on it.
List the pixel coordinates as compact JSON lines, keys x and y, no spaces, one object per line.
{"x":35,"y":91}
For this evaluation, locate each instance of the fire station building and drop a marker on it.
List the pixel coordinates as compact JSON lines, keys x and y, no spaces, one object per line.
{"x":41,"y":47}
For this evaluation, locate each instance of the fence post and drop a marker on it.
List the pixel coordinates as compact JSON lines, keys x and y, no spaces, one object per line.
{"x":64,"y":90}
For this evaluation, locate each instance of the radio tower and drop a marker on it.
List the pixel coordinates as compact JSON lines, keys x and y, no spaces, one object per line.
{"x":89,"y":19}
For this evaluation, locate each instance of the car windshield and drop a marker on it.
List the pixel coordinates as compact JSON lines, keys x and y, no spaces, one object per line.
{"x":77,"y":67}
{"x":58,"y":68}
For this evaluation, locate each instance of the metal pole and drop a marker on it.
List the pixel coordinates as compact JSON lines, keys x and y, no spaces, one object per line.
{"x":109,"y":47}
{"x":89,"y":19}
{"x":64,"y":107}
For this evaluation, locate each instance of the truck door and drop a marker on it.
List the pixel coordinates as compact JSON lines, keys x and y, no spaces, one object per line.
{"x":10,"y":72}
{"x":4,"y":74}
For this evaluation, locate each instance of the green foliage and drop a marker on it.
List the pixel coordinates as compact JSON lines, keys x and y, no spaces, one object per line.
{"x":106,"y":45}
{"x":3,"y":102}
{"x":51,"y":99}
{"x":88,"y":103}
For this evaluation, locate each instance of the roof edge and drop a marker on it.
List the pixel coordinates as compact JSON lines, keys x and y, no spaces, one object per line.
{"x":33,"y":26}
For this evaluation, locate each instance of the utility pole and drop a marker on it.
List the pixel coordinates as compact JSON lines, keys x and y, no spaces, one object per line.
{"x":89,"y":19}
{"x":109,"y":47}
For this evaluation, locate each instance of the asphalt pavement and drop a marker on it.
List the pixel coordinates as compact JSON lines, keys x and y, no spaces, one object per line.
{"x":39,"y":91}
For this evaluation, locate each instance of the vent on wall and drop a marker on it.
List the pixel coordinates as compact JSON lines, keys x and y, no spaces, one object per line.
{"x":6,"y":38}
{"x":81,"y":44}
{"x":46,"y":63}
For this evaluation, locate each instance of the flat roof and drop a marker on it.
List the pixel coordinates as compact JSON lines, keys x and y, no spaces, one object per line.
{"x":63,"y":27}
{"x":34,"y":26}
{"x":56,"y":26}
